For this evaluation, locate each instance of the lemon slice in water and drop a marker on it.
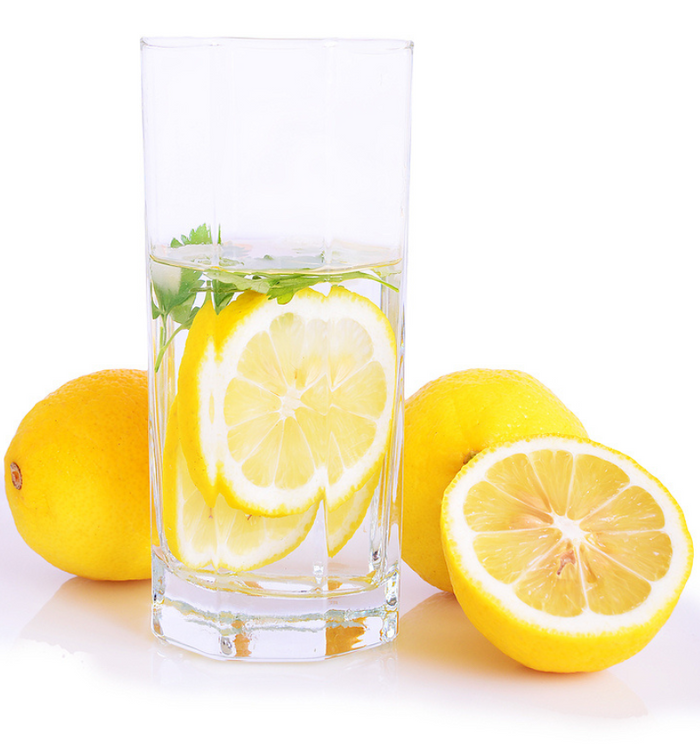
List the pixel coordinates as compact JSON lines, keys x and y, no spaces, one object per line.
{"x":344,"y":521}
{"x":219,"y":537}
{"x":567,"y":555}
{"x":281,"y":405}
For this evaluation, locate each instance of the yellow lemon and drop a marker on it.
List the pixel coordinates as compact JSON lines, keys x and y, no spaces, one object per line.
{"x":219,"y":537}
{"x":282,"y":405}
{"x":76,"y":476}
{"x":447,"y":422}
{"x":565,"y":554}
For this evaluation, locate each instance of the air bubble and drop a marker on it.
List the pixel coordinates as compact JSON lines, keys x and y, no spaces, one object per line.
{"x":226,"y":646}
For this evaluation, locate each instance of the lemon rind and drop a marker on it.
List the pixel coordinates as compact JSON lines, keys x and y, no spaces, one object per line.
{"x":357,"y":505}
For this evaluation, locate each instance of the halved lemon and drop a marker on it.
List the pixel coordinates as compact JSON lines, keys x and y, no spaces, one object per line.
{"x":219,"y":537}
{"x":567,"y":555}
{"x":281,"y":405}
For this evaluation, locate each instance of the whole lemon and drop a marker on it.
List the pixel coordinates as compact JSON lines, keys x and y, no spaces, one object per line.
{"x":447,"y":422}
{"x":76,"y":476}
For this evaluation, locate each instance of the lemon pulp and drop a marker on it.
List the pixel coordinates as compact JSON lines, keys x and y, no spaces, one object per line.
{"x":566,"y":554}
{"x":568,"y":532}
{"x":282,"y":405}
{"x":218,"y":536}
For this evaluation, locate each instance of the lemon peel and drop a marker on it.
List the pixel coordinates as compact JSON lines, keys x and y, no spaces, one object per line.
{"x":77,"y":476}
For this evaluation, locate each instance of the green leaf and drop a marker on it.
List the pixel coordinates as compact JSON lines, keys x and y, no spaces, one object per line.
{"x":190,"y":282}
{"x":283,"y":297}
{"x":193,"y":313}
{"x":199,"y":236}
{"x":176,"y":298}
{"x":221,"y":296}
{"x":284,"y":286}
{"x":237,"y":281}
{"x":181,"y":313}
{"x":173,"y":286}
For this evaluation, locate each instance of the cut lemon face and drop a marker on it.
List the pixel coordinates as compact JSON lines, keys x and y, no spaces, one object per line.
{"x":567,"y":555}
{"x":219,"y":537}
{"x":281,"y":405}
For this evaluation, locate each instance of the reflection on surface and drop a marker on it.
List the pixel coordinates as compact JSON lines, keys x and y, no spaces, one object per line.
{"x":363,"y":674}
{"x":440,"y":647}
{"x":439,"y":659}
{"x":109,"y":623}
{"x":107,"y":620}
{"x":667,"y":671}
{"x":343,"y":638}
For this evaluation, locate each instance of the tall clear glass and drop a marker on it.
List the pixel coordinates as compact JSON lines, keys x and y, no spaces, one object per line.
{"x":277,"y":179}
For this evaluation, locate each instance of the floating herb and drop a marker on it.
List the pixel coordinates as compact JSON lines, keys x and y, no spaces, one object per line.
{"x":175,"y":289}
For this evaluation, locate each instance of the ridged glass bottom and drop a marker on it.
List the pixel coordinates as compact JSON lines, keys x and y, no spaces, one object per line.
{"x":226,"y":624}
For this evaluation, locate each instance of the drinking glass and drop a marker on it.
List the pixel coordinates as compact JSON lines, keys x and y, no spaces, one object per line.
{"x":276,"y":176}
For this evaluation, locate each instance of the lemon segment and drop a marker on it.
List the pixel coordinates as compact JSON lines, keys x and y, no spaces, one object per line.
{"x":344,"y":521}
{"x":219,"y":537}
{"x":282,"y":405}
{"x":567,"y":555}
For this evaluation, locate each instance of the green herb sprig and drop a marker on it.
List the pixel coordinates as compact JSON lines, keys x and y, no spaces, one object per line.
{"x":174,"y":296}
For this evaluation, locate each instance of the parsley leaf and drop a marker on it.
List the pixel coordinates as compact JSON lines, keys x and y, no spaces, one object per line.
{"x":175,"y":289}
{"x":199,"y":236}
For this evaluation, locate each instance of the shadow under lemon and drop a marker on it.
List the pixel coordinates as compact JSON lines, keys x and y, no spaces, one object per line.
{"x":667,"y":671}
{"x":457,"y":665}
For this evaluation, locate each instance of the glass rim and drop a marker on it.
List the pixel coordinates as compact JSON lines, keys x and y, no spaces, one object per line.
{"x":198,"y":42}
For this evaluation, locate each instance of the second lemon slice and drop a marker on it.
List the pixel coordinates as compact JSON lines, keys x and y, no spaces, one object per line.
{"x":281,"y":405}
{"x":344,"y":521}
{"x":219,"y":537}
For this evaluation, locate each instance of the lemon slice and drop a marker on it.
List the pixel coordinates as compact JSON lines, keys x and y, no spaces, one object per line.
{"x":219,"y":537}
{"x":281,"y":405}
{"x":344,"y":521}
{"x":567,"y":555}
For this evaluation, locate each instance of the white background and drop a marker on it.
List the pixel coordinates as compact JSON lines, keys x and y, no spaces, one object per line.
{"x":554,"y":228}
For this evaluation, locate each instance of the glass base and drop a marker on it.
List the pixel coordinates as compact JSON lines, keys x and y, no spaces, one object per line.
{"x":225,"y":624}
